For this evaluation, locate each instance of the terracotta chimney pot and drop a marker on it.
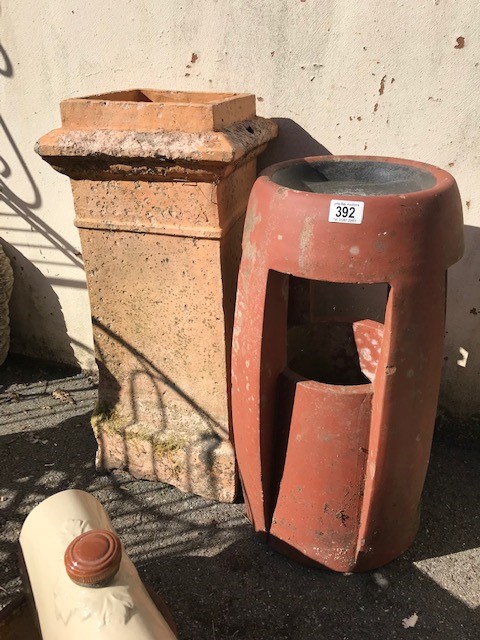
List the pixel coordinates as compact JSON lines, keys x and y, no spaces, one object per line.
{"x":160,"y":181}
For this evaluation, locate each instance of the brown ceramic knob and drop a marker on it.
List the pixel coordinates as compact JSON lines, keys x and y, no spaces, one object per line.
{"x":93,"y":558}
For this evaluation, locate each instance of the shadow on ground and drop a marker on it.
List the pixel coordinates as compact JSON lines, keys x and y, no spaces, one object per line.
{"x":219,"y":581}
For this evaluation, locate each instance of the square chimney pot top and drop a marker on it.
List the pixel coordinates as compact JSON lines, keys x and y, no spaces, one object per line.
{"x":153,"y":95}
{"x":156,"y":110}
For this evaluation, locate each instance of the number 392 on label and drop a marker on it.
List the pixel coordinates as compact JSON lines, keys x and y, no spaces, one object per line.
{"x":346,"y":211}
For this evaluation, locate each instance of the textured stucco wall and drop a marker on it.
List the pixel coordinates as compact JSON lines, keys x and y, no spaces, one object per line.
{"x":390,"y":78}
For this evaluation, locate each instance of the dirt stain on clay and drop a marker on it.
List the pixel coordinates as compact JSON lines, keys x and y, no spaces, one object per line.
{"x":460,"y":42}
{"x":342,"y":516}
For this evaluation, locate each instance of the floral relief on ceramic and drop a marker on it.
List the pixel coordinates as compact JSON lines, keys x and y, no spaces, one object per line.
{"x":107,"y":605}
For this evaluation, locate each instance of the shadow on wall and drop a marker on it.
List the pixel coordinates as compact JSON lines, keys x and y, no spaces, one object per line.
{"x":6,"y":67}
{"x":293,"y":141}
{"x":461,"y":374}
{"x":34,"y":306}
{"x":37,"y":322}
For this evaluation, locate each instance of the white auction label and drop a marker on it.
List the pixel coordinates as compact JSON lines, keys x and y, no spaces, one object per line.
{"x":346,"y":211}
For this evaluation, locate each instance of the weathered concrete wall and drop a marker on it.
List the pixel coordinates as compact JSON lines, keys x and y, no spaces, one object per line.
{"x":390,"y":78}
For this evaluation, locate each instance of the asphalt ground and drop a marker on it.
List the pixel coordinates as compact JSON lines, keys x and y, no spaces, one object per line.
{"x":219,"y":581}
